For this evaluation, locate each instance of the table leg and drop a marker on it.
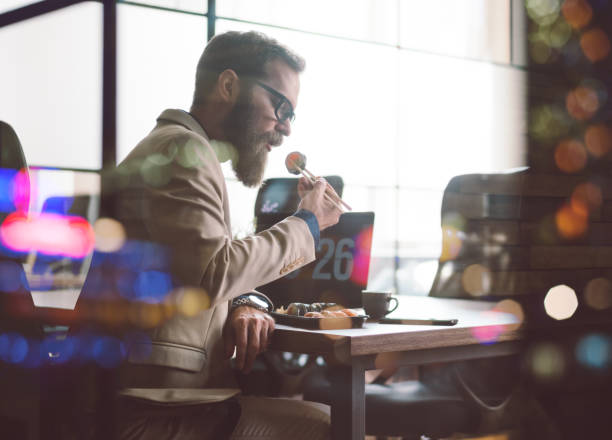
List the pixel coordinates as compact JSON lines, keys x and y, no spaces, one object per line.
{"x":348,"y":402}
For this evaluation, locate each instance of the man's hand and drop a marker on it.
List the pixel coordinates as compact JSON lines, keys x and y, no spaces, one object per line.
{"x":313,"y":199}
{"x":249,"y":330}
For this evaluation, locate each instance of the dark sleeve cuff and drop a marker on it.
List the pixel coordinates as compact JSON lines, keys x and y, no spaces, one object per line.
{"x":312,"y":222}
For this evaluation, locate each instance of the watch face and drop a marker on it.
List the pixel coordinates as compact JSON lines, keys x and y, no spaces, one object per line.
{"x":257,"y":300}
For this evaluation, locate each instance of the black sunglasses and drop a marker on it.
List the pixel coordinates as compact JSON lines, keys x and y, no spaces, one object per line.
{"x":283,"y":110}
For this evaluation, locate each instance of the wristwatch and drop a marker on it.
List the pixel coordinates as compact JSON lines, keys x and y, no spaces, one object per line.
{"x":256,"y":300}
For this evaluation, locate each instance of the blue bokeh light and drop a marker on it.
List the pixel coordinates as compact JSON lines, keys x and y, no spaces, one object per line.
{"x":108,"y":352}
{"x":594,"y":351}
{"x":58,"y":205}
{"x":18,"y":350}
{"x":11,"y":276}
{"x":7,"y":202}
{"x":58,"y":350}
{"x":34,"y":358}
{"x":152,"y":286}
{"x":5,"y":344}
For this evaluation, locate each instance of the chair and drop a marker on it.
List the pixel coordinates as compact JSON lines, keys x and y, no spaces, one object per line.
{"x":279,"y":374}
{"x":452,"y":398}
{"x":19,"y":403}
{"x":31,"y":394}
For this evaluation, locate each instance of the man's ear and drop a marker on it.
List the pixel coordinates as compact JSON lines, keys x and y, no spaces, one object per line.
{"x":228,"y":85}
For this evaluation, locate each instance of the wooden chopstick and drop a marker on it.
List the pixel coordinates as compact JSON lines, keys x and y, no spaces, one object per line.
{"x":332,"y":194}
{"x":325,"y":194}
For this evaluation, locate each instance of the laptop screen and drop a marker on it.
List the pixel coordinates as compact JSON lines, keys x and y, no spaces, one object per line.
{"x":340,"y":271}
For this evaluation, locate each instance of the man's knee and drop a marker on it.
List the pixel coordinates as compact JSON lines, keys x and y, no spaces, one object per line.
{"x":268,"y":418}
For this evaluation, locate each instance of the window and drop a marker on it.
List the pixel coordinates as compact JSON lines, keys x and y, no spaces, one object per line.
{"x":156,"y":68}
{"x":398,"y":97}
{"x":52,"y":88}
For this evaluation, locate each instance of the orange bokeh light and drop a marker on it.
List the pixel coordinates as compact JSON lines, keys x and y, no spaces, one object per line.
{"x":595,"y":44}
{"x":570,"y":156}
{"x":570,"y":224}
{"x":451,"y":243}
{"x":586,"y":198}
{"x":598,"y":139}
{"x":577,"y":13}
{"x":582,"y":103}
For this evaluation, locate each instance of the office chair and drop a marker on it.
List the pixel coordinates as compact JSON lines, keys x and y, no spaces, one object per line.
{"x":516,"y":224}
{"x":279,"y":374}
{"x":451,"y":398}
{"x":29,"y":392}
{"x":19,"y":403}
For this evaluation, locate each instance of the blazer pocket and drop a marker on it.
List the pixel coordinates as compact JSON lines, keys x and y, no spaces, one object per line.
{"x":167,"y":354}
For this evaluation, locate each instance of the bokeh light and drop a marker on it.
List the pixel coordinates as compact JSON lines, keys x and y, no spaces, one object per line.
{"x":111,"y":312}
{"x":540,"y":51}
{"x":58,"y":350}
{"x":155,"y":170}
{"x":548,"y":122}
{"x":48,"y":233}
{"x":546,"y":362}
{"x":586,"y":198}
{"x":513,"y":308}
{"x":14,"y":190}
{"x":190,"y":155}
{"x":561,"y":302}
{"x":110,"y":235}
{"x":570,"y":156}
{"x":13,"y":348}
{"x":594,"y":351}
{"x":11,"y":276}
{"x":108,"y":352}
{"x":145,"y":315}
{"x":598,"y":139}
{"x":452,"y":240}
{"x":577,"y":13}
{"x":487,"y":334}
{"x":361,"y":257}
{"x":191,"y":301}
{"x":570,"y":224}
{"x":21,"y":191}
{"x":598,"y":293}
{"x":582,"y":103}
{"x":595,"y":44}
{"x":543,"y":12}
{"x":476,"y":280}
{"x":152,"y":286}
{"x":544,"y":39}
{"x":560,"y":33}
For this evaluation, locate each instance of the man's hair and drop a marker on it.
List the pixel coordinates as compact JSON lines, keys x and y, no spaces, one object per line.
{"x":246,"y":53}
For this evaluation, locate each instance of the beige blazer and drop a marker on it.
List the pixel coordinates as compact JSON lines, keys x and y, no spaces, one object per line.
{"x":170,"y":190}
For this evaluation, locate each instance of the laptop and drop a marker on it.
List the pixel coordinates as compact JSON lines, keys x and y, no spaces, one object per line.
{"x":340,"y":271}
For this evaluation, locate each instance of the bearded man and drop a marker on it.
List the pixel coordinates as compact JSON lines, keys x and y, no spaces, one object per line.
{"x":171,"y":197}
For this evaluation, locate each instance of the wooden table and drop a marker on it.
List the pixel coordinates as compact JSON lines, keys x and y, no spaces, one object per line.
{"x":481,"y":332}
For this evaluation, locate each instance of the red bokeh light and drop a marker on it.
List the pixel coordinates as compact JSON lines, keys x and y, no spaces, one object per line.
{"x":570,"y":156}
{"x":595,"y":44}
{"x":582,"y":103}
{"x":577,"y":13}
{"x":48,"y":233}
{"x":361,"y":259}
{"x":598,"y":140}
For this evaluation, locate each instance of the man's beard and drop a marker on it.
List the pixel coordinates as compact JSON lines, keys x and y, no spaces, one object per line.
{"x":251,"y":147}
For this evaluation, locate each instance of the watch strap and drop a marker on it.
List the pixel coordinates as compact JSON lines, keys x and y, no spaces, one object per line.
{"x":245,"y":300}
